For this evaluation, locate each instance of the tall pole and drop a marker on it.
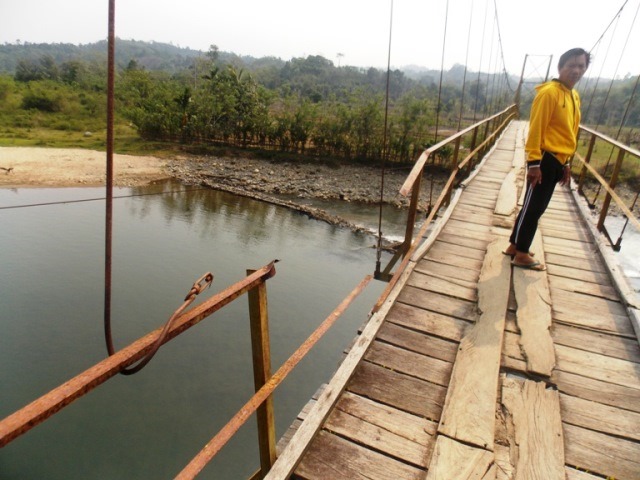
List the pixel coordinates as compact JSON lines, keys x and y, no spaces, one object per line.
{"x":109,"y":177}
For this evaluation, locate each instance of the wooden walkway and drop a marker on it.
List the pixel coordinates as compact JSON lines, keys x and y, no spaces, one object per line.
{"x":474,"y":369}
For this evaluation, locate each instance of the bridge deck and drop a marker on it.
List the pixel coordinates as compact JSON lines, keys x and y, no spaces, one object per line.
{"x":479,"y":370}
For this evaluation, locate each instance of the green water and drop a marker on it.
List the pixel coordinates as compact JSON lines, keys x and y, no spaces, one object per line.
{"x":151,"y":424}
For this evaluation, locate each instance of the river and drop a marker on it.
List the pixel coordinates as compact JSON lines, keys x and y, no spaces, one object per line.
{"x":151,"y":424}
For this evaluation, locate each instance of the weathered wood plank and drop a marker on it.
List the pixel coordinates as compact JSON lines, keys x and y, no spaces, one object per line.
{"x":459,"y":250}
{"x":534,"y":316}
{"x":402,"y":391}
{"x":443,"y":255}
{"x":351,"y":427}
{"x":438,"y":303}
{"x":585,"y":288}
{"x":592,"y":341}
{"x":602,"y":454}
{"x":602,"y":418}
{"x":453,"y":459}
{"x":508,"y":195}
{"x":587,"y":276}
{"x":444,"y":286}
{"x":418,"y":342}
{"x":601,"y":367}
{"x":426,"y":321}
{"x":597,"y":390}
{"x":535,"y":415}
{"x":573,"y":474}
{"x":477,"y":243}
{"x":474,"y":379}
{"x":469,"y":276}
{"x":611,"y":324}
{"x":591,"y":264}
{"x":410,"y":363}
{"x":331,"y":456}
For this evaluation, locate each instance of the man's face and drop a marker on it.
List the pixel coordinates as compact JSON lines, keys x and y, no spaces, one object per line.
{"x":573,"y":70}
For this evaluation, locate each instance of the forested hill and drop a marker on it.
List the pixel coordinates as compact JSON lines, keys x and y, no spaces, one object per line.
{"x":153,"y":56}
{"x":165,"y":57}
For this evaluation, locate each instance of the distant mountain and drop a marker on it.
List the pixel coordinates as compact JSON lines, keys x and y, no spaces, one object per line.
{"x":150,"y":55}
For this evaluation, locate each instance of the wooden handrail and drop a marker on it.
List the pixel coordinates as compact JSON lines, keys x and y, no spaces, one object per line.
{"x":422,"y":160}
{"x":609,"y":190}
{"x":610,"y":140}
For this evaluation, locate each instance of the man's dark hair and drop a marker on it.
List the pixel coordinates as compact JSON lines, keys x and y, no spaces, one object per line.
{"x":574,"y":52}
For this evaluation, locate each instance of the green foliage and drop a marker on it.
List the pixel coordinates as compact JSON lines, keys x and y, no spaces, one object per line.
{"x":302,"y":106}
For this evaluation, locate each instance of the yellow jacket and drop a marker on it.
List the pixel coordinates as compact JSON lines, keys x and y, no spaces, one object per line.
{"x":554,"y":122}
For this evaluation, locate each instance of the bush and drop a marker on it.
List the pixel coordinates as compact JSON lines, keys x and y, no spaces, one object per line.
{"x":43,"y":101}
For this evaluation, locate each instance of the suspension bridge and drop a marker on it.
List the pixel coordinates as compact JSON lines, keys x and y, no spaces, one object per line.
{"x":466,"y":367}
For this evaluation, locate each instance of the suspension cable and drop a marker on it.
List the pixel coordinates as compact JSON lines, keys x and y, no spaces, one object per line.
{"x":616,"y":16}
{"x":484,"y":27}
{"x":385,"y":148}
{"x":466,"y":62}
{"x":444,"y":44}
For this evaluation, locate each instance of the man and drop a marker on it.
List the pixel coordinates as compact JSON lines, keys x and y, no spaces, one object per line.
{"x":552,"y":141}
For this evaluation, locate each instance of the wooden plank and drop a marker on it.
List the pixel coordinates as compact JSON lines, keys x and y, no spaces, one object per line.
{"x":410,"y":363}
{"x":585,"y":303}
{"x":597,"y":342}
{"x":601,"y":418}
{"x":469,"y":413}
{"x":418,"y":342}
{"x":535,"y":415}
{"x":426,"y":321}
{"x":442,"y":285}
{"x":477,"y":243}
{"x":477,"y":200}
{"x":505,"y":470}
{"x":611,"y":324}
{"x":534,"y":316}
{"x":452,"y":459}
{"x":369,"y":435}
{"x":601,"y":454}
{"x":460,"y":250}
{"x":592,"y":264}
{"x":437,"y":255}
{"x":459,"y":275}
{"x":412,"y":427}
{"x":573,"y":474}
{"x":587,"y":276}
{"x":438,"y":303}
{"x":457,"y":228}
{"x":508,"y":195}
{"x":585,"y":288}
{"x":483,"y":218}
{"x":597,"y":390}
{"x":441,"y":270}
{"x":601,"y":367}
{"x":396,"y":389}
{"x":331,"y":456}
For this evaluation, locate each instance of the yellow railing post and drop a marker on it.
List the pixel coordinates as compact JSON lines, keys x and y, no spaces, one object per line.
{"x":261,"y":350}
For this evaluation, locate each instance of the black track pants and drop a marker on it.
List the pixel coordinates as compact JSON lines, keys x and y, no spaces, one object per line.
{"x":536,"y":201}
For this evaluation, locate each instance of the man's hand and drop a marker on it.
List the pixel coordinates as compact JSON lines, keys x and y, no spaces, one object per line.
{"x":566,"y":176}
{"x":534,"y":176}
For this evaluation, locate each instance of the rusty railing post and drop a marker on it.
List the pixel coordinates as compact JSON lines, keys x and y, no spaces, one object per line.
{"x":454,"y":166}
{"x":612,"y":184}
{"x":413,"y":213}
{"x":587,"y":159}
{"x":261,"y":351}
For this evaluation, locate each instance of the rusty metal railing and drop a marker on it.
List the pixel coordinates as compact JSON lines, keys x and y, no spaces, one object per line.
{"x":265,"y":383}
{"x":480,"y":137}
{"x":606,"y":180}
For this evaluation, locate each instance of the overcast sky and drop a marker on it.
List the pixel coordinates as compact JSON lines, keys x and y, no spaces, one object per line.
{"x":356,"y":29}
